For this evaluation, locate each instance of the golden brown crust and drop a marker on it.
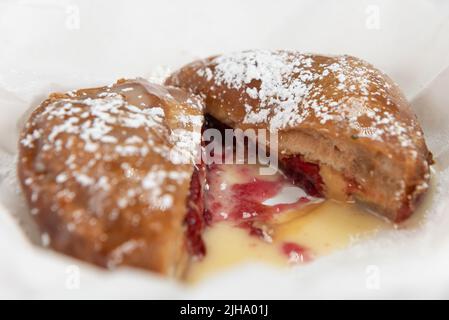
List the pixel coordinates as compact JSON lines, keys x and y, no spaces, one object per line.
{"x":106,"y":172}
{"x":339,"y":111}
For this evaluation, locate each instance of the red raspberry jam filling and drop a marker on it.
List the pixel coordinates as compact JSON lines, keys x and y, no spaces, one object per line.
{"x":305,"y":175}
{"x":243,"y":203}
{"x":215,"y":197}
{"x":194,"y":218}
{"x":295,"y":252}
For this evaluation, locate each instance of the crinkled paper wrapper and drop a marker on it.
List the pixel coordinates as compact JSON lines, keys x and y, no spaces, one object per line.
{"x":57,"y":45}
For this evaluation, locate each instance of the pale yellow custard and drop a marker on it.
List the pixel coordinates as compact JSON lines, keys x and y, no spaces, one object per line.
{"x":318,"y":227}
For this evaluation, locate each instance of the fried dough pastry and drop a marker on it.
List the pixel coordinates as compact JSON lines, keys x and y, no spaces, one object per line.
{"x":107,"y":173}
{"x":345,"y":129}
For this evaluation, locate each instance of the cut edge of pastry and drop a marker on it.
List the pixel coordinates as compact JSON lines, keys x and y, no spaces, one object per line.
{"x":385,"y":169}
{"x":344,"y":172}
{"x":367,"y":178}
{"x":135,"y":250}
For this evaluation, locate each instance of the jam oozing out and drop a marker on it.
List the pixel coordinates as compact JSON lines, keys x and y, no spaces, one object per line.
{"x":236,"y":194}
{"x":252,"y":217}
{"x":303,"y":174}
{"x":194,"y":218}
{"x":245,"y":196}
{"x":247,"y":200}
{"x":295,"y":252}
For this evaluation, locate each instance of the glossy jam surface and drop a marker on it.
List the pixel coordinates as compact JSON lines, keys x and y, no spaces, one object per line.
{"x":194,"y":219}
{"x":303,"y":174}
{"x":237,"y":194}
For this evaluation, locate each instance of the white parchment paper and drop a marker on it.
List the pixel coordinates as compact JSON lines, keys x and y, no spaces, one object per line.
{"x":57,"y":45}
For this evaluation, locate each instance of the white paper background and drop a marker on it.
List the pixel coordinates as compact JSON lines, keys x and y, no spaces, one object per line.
{"x":52,"y":45}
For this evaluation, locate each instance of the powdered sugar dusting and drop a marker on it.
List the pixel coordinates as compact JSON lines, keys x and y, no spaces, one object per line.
{"x":286,"y":89}
{"x":91,"y":133}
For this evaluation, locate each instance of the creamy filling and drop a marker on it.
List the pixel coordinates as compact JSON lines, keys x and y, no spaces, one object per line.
{"x":254,"y":218}
{"x":237,"y":215}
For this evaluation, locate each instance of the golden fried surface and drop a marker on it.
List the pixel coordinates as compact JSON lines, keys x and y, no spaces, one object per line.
{"x":106,"y":172}
{"x":335,"y":110}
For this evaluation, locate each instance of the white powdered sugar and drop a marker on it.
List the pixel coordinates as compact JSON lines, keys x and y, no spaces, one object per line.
{"x":276,"y":88}
{"x":92,"y":133}
{"x":120,"y":252}
{"x":158,"y":177}
{"x":285,"y":89}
